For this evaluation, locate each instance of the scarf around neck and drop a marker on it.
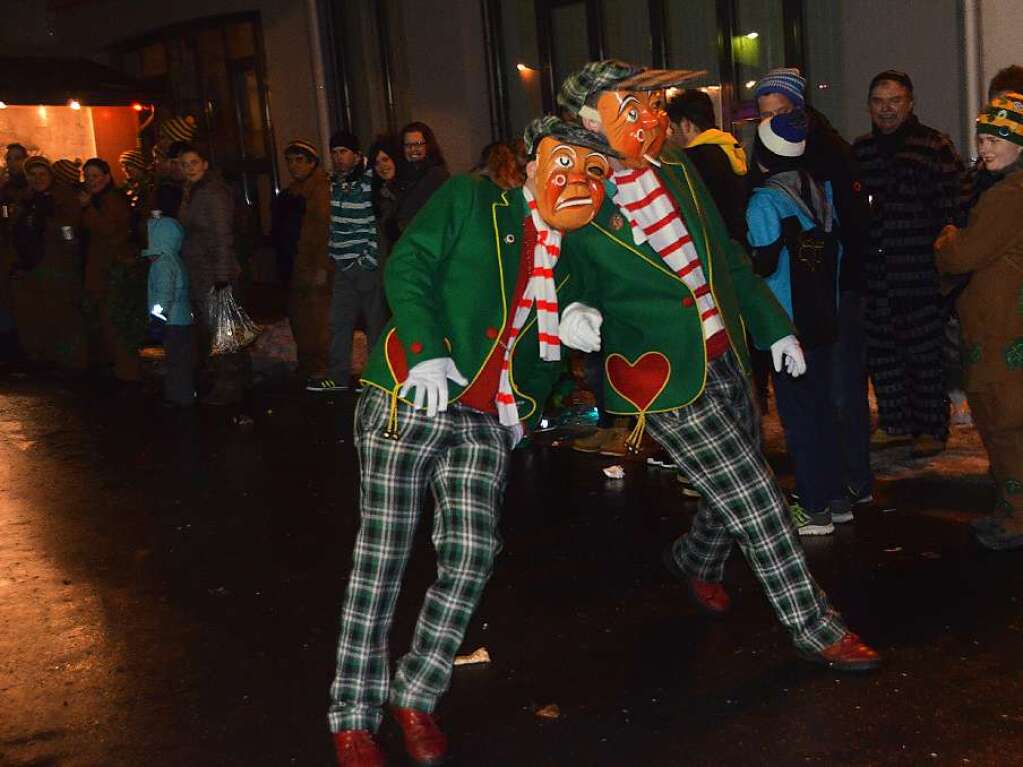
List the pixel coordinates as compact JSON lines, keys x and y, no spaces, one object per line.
{"x":541,"y":290}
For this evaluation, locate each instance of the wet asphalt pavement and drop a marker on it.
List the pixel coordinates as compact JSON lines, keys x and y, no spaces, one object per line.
{"x":169,"y":588}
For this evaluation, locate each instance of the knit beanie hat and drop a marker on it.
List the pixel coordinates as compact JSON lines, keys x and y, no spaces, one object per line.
{"x":784,"y":80}
{"x":37,"y":159}
{"x":68,"y":171}
{"x":301,"y":146}
{"x":781,"y":141}
{"x":1003,"y":118}
{"x":132,"y":158}
{"x":345,"y":139}
{"x":179,"y":128}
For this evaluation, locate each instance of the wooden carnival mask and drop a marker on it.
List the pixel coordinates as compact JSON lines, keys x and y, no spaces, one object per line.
{"x":634,"y":123}
{"x":569,"y":183}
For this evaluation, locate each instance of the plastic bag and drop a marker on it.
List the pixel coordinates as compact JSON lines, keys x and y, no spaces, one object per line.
{"x":231,"y":329}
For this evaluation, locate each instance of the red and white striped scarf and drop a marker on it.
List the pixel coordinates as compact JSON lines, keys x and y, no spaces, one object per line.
{"x":542,"y":291}
{"x":652,"y":213}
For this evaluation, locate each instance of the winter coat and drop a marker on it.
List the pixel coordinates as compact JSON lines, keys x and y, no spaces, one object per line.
{"x":168,"y":278}
{"x":722,"y":166}
{"x":416,"y":190}
{"x":312,"y":263}
{"x":210,"y":249}
{"x":990,"y":249}
{"x":107,"y":224}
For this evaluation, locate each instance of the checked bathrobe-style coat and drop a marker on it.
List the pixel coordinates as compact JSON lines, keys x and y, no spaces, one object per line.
{"x":701,"y":413}
{"x":449,"y":282}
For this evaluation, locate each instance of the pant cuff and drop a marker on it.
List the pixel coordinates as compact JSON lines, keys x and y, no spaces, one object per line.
{"x":824,"y":634}
{"x":355,"y":718}
{"x":415,"y":702}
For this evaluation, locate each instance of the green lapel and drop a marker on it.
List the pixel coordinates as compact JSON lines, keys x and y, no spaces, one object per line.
{"x":508,"y":214}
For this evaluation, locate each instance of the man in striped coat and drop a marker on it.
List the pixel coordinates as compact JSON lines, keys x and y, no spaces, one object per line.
{"x":912,"y":176}
{"x":358,"y":287}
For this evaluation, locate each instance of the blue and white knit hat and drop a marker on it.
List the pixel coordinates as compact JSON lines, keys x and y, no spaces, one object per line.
{"x":783,"y":135}
{"x":784,"y":80}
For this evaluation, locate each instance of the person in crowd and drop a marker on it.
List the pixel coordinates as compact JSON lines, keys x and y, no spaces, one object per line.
{"x":718,"y":158}
{"x":138,"y":185}
{"x":829,"y":159}
{"x":502,"y":166}
{"x":415,"y":432}
{"x":353,"y":246}
{"x":170,"y":309}
{"x":387,"y":160}
{"x":69,"y":173}
{"x":913,"y":176}
{"x":427,"y":170}
{"x":14,"y":190}
{"x":15,"y":183}
{"x":300,"y":230}
{"x":175,"y":129}
{"x":111,"y":280}
{"x":793,"y":236}
{"x":1006,"y":80}
{"x":47,"y":290}
{"x":169,"y":182}
{"x":209,"y":252}
{"x":990,"y":251}
{"x":666,"y":294}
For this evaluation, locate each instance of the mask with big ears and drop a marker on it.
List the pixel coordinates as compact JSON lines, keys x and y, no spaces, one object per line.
{"x":568,"y":181}
{"x":635,"y":123}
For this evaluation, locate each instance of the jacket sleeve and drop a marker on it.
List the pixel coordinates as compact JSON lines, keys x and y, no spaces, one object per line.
{"x":413,"y":271}
{"x":223,"y":258}
{"x":993,"y":229}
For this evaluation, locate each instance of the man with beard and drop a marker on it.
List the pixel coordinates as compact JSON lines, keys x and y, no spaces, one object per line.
{"x":474,"y":284}
{"x":667,"y":296}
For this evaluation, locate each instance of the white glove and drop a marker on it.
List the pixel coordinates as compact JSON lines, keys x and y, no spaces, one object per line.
{"x":789,"y":350}
{"x":430,"y":379}
{"x":579,"y":327}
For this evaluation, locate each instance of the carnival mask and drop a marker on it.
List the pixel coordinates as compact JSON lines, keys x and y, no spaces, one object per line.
{"x":635,"y":124}
{"x":569,"y":183}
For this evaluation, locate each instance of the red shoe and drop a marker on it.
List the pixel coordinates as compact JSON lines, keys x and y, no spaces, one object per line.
{"x":356,"y":748}
{"x":425,"y":744}
{"x":709,"y":597}
{"x":847,"y":654}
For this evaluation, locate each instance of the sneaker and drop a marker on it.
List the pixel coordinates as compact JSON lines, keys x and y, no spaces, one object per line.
{"x":324,"y":384}
{"x":849,"y":653}
{"x":660,"y":459}
{"x":841,"y":511}
{"x":811,"y":524}
{"x":864,"y":498}
{"x":687,"y":487}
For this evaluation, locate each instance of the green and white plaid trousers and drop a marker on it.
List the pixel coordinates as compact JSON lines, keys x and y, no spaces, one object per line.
{"x":462,"y":456}
{"x":715,"y":441}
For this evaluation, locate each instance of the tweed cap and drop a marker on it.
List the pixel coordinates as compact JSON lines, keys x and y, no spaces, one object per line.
{"x":1003,"y":118}
{"x":132,"y":158}
{"x":68,"y":171}
{"x":570,"y":133}
{"x":179,"y":128}
{"x":37,"y":159}
{"x":303,"y":147}
{"x":612,"y":74}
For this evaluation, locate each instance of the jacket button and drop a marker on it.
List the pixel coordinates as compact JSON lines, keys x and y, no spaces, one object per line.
{"x":415,"y":347}
{"x":491,"y":333}
{"x":688,"y":301}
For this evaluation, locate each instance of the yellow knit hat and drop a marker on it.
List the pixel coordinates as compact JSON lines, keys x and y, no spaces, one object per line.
{"x":1003,"y":118}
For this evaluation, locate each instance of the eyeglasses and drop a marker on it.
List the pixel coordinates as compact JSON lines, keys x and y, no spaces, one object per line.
{"x":412,"y":144}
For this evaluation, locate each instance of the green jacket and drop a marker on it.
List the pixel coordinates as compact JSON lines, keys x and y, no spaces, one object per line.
{"x":655,"y":359}
{"x":449,"y":281}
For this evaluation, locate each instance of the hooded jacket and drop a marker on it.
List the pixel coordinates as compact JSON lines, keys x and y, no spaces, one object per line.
{"x":168,"y":278}
{"x":721,"y":163}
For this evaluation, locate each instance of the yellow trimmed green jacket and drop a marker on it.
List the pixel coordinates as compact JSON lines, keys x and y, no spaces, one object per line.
{"x":655,"y":358}
{"x":450,"y":281}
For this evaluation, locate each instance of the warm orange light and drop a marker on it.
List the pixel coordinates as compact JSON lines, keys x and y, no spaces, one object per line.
{"x":522,"y":67}
{"x":137,"y":106}
{"x":74,"y":104}
{"x":3,"y":105}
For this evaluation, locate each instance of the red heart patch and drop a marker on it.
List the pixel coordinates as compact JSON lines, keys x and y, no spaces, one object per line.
{"x":641,"y":382}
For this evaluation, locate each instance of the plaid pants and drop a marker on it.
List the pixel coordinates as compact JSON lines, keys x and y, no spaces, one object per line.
{"x":715,"y":441}
{"x":462,"y":456}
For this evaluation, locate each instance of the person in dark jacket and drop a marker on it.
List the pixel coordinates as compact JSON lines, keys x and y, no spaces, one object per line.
{"x":169,"y":184}
{"x":427,"y":170}
{"x":387,"y":160}
{"x":829,"y":159}
{"x":716,"y":154}
{"x":914,"y":176}
{"x":114,"y":276}
{"x":210,"y":255}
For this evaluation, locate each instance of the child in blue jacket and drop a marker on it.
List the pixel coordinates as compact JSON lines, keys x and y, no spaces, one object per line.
{"x":170,"y":311}
{"x":793,"y":234}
